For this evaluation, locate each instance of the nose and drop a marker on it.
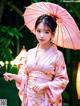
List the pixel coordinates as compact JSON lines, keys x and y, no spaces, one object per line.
{"x":42,"y":35}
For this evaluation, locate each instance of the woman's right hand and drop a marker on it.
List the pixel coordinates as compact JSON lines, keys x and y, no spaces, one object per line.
{"x":8,"y":76}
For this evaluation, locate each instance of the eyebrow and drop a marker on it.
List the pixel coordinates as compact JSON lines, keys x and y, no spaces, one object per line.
{"x":44,"y":29}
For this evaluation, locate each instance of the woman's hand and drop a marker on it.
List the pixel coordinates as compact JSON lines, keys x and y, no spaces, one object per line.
{"x":9,"y":76}
{"x":40,"y":87}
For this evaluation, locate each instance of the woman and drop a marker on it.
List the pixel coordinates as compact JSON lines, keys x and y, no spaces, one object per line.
{"x":43,"y":78}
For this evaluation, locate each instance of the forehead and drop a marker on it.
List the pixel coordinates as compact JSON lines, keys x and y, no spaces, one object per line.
{"x":43,"y":26}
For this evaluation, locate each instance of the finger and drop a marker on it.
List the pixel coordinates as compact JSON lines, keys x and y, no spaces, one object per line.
{"x":10,"y":79}
{"x":10,"y":75}
{"x":4,"y":74}
{"x":6,"y":78}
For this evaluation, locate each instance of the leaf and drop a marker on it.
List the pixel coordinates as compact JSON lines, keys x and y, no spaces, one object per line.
{"x":7,"y":42}
{"x":36,"y":1}
{"x":7,"y":36}
{"x":47,"y":0}
{"x":2,"y":39}
{"x":10,"y":32}
{"x":4,"y":29}
{"x":13,"y":69}
{"x":7,"y":54}
{"x":14,"y":32}
{"x":61,"y":0}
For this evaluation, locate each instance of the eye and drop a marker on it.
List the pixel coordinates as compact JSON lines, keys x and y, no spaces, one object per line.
{"x":47,"y":32}
{"x":38,"y":30}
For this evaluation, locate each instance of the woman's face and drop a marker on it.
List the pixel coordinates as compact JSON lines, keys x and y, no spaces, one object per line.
{"x":43,"y":33}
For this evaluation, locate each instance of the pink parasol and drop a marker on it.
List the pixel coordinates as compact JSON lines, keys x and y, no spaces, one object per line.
{"x":67,"y":34}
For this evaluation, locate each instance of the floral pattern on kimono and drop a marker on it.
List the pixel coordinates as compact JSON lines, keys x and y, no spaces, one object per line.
{"x":48,"y":68}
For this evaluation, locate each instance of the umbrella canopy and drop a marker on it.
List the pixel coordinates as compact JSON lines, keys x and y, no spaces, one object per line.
{"x":67,"y":34}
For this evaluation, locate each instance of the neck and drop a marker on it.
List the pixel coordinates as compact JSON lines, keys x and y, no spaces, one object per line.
{"x":45,"y":47}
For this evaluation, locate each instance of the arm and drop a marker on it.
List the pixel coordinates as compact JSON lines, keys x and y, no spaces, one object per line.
{"x":18,"y":78}
{"x":10,"y":76}
{"x":59,"y":83}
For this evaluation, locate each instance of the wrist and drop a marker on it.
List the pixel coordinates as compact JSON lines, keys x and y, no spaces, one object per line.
{"x":17,"y":77}
{"x":14,"y":76}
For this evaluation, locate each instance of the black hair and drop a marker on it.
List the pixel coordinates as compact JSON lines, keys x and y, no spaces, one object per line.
{"x":48,"y":20}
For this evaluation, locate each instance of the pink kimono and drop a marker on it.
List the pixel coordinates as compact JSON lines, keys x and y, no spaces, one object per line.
{"x":48,"y":68}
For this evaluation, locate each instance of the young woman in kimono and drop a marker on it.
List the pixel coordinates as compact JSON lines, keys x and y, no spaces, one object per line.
{"x":43,"y":78}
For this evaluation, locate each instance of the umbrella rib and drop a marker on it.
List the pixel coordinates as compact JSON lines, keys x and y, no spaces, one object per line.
{"x":66,"y":39}
{"x":38,"y":7}
{"x":30,"y":21}
{"x":31,"y":14}
{"x":52,"y":9}
{"x":69,"y":20}
{"x":72,"y":29}
{"x":37,"y":12}
{"x":62,"y":36}
{"x":56,"y":9}
{"x":62,"y":12}
{"x":57,"y":34}
{"x":34,"y":10}
{"x":70,"y":37}
{"x":46,"y":6}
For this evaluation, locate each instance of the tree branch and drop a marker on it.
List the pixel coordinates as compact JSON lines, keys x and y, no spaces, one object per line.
{"x":2,"y":4}
{"x":15,"y":9}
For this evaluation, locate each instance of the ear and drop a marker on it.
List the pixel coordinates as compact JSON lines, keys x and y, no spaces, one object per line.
{"x":53,"y":34}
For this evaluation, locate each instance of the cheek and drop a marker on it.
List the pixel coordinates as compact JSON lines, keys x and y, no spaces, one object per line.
{"x":48,"y":37}
{"x":37,"y":36}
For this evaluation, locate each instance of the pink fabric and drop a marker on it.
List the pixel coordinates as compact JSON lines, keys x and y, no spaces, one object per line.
{"x":50,"y":68}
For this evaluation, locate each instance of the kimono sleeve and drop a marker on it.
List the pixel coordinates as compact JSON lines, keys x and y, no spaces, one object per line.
{"x":23,"y":76}
{"x":58,"y":84}
{"x":21,"y":85}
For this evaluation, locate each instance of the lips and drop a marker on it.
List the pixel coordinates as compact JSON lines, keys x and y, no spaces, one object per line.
{"x":41,"y":40}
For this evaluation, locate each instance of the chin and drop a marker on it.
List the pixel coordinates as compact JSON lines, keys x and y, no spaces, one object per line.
{"x":42,"y":43}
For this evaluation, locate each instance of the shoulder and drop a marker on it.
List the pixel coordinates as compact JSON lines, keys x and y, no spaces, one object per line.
{"x":31,"y":50}
{"x":59,"y":57}
{"x":57,"y":51}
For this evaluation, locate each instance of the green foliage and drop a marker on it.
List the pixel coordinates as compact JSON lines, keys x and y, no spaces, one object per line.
{"x":36,"y":1}
{"x":65,"y":96}
{"x":13,"y":69}
{"x":8,"y":68}
{"x":7,"y":34}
